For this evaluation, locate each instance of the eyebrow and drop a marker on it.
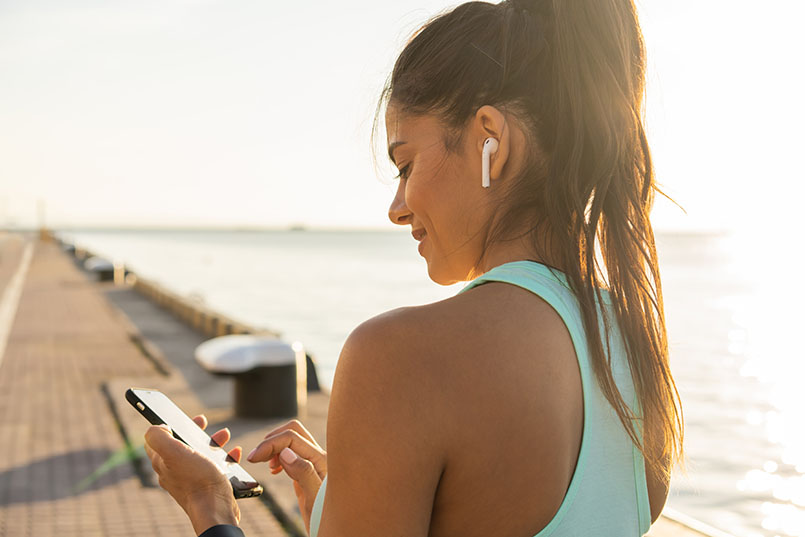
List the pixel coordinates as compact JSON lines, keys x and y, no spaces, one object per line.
{"x":392,"y":147}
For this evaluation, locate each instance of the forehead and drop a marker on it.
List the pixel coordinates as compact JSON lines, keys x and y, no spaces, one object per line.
{"x":404,"y":126}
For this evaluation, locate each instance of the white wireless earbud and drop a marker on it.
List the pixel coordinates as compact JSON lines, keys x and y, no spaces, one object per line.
{"x":490,"y":146}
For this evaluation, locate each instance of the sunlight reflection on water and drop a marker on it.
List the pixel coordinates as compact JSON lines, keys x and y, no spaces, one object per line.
{"x":770,"y":341}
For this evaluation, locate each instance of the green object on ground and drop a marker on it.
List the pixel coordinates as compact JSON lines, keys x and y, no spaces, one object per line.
{"x":128,"y":453}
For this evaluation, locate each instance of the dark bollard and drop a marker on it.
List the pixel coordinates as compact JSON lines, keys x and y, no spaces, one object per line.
{"x":266,"y":392}
{"x":312,"y":376}
{"x":270,"y":375}
{"x":103,"y":268}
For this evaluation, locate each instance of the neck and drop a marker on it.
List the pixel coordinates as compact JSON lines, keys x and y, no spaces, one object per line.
{"x":520,"y":249}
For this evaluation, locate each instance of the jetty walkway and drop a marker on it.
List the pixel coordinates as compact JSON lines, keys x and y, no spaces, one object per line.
{"x":71,"y":464}
{"x":65,"y":345}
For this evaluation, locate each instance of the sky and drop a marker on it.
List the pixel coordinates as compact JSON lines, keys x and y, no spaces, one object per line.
{"x":248,"y":113}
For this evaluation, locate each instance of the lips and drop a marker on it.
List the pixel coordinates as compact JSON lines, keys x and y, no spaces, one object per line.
{"x":418,"y":234}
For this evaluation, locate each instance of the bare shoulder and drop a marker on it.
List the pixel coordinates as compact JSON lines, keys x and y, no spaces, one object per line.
{"x":391,"y":354}
{"x":422,"y":344}
{"x":384,"y":371}
{"x":417,"y":384}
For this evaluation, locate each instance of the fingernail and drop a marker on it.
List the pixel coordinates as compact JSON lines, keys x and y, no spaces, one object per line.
{"x":250,"y":455}
{"x":288,"y":456}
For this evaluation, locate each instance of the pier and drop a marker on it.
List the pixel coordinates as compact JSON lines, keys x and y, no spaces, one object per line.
{"x":69,"y":347}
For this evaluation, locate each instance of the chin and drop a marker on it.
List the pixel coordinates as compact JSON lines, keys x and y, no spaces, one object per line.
{"x":439,"y":275}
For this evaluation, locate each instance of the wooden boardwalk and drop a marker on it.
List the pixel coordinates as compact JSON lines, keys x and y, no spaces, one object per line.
{"x":68,"y":347}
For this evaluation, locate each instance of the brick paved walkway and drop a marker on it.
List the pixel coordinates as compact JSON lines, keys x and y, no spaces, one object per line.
{"x":65,"y":343}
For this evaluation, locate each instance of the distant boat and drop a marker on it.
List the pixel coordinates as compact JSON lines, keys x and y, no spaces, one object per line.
{"x":297,"y":227}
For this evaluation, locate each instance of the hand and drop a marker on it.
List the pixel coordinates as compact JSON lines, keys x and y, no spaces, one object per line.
{"x":293,"y":449}
{"x":193,"y":480}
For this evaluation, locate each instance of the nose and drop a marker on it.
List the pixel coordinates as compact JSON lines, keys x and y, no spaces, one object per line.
{"x":399,"y":213}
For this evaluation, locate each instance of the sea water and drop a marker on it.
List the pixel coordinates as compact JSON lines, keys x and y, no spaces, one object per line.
{"x":733,"y":335}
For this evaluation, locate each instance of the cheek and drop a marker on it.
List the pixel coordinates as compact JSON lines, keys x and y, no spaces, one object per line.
{"x":424,"y":208}
{"x":436,"y":196}
{"x":422,"y":190}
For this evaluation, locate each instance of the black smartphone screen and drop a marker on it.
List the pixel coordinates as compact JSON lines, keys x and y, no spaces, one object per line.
{"x":159,"y":409}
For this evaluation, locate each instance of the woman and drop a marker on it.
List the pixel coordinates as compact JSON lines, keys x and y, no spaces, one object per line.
{"x":539,"y":399}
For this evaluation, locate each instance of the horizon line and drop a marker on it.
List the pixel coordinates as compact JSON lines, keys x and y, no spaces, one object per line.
{"x":293,"y":228}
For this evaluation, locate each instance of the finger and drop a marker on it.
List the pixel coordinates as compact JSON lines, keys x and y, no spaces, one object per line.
{"x":156,"y":460}
{"x":152,"y":456}
{"x":149,"y":451}
{"x":236,"y":453}
{"x":272,"y":446}
{"x":160,"y":439}
{"x":158,"y":464}
{"x":274,"y":465}
{"x":201,"y":421}
{"x":221,"y":437}
{"x":294,"y":425}
{"x":301,"y":471}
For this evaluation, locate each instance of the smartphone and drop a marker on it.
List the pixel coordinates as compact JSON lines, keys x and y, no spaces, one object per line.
{"x":158,"y":409}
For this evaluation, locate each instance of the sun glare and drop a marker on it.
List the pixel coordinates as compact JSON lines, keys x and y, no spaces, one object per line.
{"x":767,"y":337}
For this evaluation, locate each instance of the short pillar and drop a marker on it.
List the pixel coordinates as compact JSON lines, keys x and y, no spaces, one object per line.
{"x":270,"y":375}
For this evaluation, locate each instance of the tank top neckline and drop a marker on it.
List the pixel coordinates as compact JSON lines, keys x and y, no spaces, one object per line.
{"x":542,"y":268}
{"x":531,"y":264}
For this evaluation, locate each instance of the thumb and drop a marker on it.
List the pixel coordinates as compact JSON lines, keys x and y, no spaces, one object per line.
{"x":302,"y":471}
{"x":160,"y":439}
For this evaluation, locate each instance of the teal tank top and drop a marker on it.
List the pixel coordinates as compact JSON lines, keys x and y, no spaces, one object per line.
{"x":608,"y":493}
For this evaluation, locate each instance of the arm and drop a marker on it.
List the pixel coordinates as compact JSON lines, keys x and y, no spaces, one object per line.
{"x":385,"y":453}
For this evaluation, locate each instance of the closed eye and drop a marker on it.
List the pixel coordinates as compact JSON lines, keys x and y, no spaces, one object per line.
{"x":404,"y":172}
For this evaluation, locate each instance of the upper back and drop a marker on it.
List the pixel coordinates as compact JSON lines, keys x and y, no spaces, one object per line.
{"x":554,"y":457}
{"x":497,"y":386}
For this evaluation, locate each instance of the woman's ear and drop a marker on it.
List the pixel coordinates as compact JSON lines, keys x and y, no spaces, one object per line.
{"x":489,"y":122}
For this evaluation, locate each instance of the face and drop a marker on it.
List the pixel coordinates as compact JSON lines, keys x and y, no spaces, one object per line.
{"x":439,"y":195}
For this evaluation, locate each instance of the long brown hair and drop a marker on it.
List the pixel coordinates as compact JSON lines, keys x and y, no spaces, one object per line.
{"x":572,"y":73}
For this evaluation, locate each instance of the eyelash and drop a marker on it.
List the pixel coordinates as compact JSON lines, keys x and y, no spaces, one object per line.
{"x":403,"y":172}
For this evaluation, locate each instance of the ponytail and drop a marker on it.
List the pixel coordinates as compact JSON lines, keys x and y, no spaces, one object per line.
{"x":572,"y":72}
{"x":602,"y":174}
